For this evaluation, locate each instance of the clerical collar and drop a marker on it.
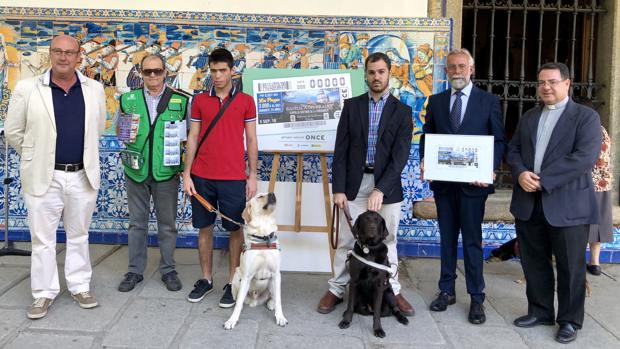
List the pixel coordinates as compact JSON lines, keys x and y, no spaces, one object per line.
{"x":560,"y":105}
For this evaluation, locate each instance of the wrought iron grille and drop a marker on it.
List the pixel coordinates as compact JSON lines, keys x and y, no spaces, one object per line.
{"x":510,"y":39}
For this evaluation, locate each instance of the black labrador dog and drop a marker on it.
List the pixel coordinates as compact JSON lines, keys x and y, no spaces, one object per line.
{"x":370,"y":291}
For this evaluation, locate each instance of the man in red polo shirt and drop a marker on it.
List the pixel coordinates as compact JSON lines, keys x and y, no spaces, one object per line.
{"x":216,"y":170}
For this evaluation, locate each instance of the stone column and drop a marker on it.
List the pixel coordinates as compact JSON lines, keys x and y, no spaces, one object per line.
{"x":452,"y":9}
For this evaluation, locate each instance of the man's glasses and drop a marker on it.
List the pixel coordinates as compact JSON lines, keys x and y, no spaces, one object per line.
{"x":150,"y":72}
{"x":69,"y":53}
{"x":550,"y":83}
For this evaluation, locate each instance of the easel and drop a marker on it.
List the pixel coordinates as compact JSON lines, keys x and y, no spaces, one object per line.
{"x":297,"y":227}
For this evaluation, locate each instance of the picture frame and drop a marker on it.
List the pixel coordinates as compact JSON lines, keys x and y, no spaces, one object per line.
{"x":458,"y":158}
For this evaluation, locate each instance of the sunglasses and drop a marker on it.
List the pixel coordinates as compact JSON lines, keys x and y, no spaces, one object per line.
{"x":149,"y":72}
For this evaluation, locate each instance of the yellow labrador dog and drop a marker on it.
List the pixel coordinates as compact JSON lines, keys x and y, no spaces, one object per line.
{"x":257,"y":279}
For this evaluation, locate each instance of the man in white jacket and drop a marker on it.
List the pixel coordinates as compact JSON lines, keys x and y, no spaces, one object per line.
{"x":54,"y":122}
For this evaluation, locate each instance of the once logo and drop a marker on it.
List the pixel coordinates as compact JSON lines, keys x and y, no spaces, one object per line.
{"x":315,"y":137}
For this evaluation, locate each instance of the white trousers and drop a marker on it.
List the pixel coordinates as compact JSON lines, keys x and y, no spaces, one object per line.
{"x":71,"y":197}
{"x":391,"y":214}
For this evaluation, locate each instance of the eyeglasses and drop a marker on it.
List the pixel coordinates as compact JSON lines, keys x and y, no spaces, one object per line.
{"x":68,"y":53}
{"x":550,"y":83}
{"x":149,"y":72}
{"x":453,"y":67}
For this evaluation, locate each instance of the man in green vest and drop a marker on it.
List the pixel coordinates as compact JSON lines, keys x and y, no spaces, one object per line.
{"x":152,"y":123}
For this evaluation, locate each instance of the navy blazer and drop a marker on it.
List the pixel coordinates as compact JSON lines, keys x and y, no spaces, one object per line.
{"x":392,"y":149}
{"x":483,"y":116}
{"x":566,"y":170}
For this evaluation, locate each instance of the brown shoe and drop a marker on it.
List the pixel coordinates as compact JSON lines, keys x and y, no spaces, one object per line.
{"x":404,"y":306}
{"x":328,"y":303}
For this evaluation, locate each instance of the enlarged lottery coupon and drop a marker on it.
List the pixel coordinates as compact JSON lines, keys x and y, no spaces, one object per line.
{"x":300,"y":104}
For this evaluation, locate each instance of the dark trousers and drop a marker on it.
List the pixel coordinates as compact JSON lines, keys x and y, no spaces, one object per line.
{"x":457,"y":212}
{"x":538,"y":240}
{"x":165,"y":200}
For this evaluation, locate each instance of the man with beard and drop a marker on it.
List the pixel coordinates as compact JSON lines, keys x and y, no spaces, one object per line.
{"x":464,"y":110}
{"x":372,"y":147}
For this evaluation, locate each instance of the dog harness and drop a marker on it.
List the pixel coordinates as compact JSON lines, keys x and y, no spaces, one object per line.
{"x":269,"y":242}
{"x":389,"y":270}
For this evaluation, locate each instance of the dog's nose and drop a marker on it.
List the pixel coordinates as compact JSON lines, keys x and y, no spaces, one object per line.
{"x":271,"y":198}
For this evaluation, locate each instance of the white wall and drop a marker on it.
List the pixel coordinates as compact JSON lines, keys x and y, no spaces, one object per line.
{"x":393,"y":8}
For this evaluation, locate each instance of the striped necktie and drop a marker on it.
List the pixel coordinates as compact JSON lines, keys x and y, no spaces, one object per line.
{"x":455,"y":113}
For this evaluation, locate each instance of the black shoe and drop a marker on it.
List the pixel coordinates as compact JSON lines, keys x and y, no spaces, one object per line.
{"x":476,"y":313}
{"x":129,"y":282}
{"x":172,"y":281}
{"x":566,"y":334}
{"x":531,"y":321}
{"x":227,"y":300}
{"x":594,"y":269}
{"x":202,"y":288}
{"x":442,"y":301}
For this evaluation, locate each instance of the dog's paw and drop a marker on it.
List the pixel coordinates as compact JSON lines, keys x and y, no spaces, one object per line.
{"x":401,"y":318}
{"x":281,"y":320}
{"x":379,"y":333}
{"x":344,"y":324}
{"x":271,"y":304}
{"x":230,"y":324}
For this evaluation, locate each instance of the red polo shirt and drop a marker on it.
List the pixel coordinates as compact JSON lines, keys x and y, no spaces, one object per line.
{"x":222,"y":156}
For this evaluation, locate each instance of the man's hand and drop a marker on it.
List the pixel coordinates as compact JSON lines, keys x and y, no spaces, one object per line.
{"x":340,"y":200}
{"x":481,"y":184}
{"x":422,"y":171}
{"x":529,"y":181}
{"x":250,"y":187}
{"x":375,"y":200}
{"x":188,"y":184}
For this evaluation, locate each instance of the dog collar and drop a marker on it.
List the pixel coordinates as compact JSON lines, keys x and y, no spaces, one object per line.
{"x":264,"y":238}
{"x":268,"y":242}
{"x":366,"y":248}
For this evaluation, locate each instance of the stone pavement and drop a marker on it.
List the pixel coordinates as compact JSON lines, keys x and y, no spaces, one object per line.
{"x":152,"y":317}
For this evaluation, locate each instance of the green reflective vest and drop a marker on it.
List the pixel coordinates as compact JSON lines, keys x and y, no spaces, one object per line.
{"x":152,"y":148}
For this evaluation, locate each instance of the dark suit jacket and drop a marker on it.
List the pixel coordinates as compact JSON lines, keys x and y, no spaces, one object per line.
{"x":392,"y":149}
{"x":566,"y":170}
{"x":483,"y":116}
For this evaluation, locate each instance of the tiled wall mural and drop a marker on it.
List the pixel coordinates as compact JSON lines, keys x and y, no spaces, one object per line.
{"x":114,"y":41}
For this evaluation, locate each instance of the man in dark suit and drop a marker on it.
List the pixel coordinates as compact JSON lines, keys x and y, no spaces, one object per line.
{"x":462,"y":110}
{"x":372,"y":147}
{"x":551,"y":156}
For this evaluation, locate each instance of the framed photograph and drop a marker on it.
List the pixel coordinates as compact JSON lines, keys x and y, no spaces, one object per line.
{"x":458,"y":158}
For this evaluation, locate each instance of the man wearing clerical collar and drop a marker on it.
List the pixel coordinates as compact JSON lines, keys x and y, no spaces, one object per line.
{"x":551,"y":156}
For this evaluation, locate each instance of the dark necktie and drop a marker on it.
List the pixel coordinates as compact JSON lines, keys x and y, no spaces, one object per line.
{"x":455,"y":113}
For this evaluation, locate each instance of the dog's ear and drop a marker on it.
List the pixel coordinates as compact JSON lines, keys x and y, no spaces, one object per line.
{"x":384,"y":233}
{"x":246,"y":215}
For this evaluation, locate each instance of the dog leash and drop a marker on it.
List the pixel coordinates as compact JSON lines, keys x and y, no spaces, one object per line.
{"x":334,"y":232}
{"x":210,"y":208}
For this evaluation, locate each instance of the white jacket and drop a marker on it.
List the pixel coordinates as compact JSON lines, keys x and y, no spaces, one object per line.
{"x":30,"y":128}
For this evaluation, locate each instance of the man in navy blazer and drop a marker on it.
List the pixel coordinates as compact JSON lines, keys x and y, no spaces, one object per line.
{"x":551,"y":156}
{"x":462,"y":110}
{"x":372,"y":147}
